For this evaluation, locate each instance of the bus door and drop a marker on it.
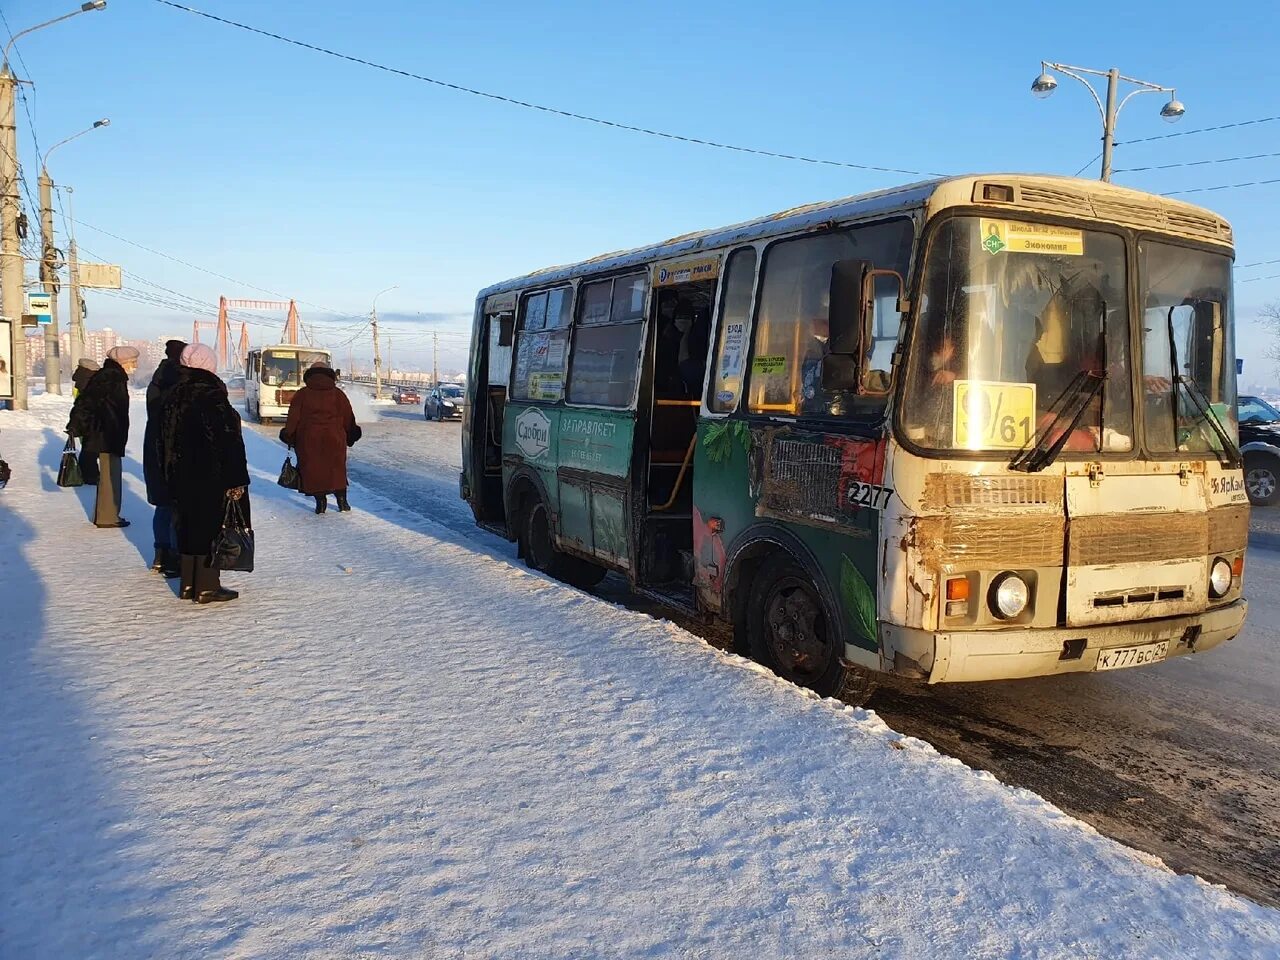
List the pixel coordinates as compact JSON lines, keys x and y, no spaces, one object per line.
{"x":486,"y":405}
{"x":684,"y":295}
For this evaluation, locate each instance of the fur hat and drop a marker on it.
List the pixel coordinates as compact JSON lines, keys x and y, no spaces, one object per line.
{"x":173,"y":349}
{"x":89,"y":363}
{"x":124,"y":354}
{"x":200,"y":357}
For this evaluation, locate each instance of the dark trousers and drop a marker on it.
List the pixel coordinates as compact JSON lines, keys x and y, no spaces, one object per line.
{"x":106,"y":511}
{"x":162,"y":529}
{"x":197,"y":576}
{"x":88,"y":466}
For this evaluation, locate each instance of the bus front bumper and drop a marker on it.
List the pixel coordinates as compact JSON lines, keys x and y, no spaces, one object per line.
{"x":1013,"y":654}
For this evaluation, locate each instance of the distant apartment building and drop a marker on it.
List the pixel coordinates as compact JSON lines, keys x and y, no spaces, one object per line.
{"x":96,"y":345}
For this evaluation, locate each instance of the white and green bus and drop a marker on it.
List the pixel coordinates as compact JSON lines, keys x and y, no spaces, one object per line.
{"x":975,"y":428}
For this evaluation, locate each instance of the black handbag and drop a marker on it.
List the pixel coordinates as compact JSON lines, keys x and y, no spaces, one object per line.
{"x":289,"y":477}
{"x":233,"y":546}
{"x":354,"y":435}
{"x":69,"y":470}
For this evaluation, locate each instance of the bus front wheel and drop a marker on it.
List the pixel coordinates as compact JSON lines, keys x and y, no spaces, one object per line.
{"x":788,"y":630}
{"x":540,"y":553}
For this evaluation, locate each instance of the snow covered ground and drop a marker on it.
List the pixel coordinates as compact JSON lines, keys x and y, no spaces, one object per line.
{"x":398,"y":744}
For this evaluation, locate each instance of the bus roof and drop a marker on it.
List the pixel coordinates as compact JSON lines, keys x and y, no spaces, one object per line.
{"x":290,"y":346}
{"x":1039,"y":193}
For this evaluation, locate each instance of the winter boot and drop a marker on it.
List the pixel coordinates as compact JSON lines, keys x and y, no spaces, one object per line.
{"x":322,"y":503}
{"x":158,"y":563}
{"x":341,"y":497}
{"x":170,"y":564}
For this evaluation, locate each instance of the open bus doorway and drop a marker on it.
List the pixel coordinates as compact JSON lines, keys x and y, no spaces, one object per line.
{"x":681,"y":343}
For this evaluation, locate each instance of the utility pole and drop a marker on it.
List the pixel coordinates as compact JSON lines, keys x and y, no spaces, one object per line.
{"x":49,"y":277}
{"x":435,"y":359}
{"x":75,"y":338}
{"x":377,"y":357}
{"x":377,"y":354}
{"x":10,"y":250}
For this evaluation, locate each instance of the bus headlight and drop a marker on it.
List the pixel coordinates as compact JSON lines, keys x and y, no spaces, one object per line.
{"x":1219,"y":578}
{"x":1009,"y":596}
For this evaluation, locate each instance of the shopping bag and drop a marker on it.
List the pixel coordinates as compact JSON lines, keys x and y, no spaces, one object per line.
{"x":69,"y":469}
{"x":233,"y":546}
{"x":354,"y":435}
{"x":289,"y":478}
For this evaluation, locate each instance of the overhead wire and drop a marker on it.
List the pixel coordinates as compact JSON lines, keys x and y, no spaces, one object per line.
{"x":556,"y":111}
{"x":1221,"y":186}
{"x":1199,"y":163}
{"x":1189,"y":133}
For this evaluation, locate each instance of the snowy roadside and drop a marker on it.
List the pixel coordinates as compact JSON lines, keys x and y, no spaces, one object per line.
{"x":395,"y":744}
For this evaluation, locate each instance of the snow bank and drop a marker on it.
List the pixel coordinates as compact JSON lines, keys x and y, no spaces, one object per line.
{"x":396,"y":745}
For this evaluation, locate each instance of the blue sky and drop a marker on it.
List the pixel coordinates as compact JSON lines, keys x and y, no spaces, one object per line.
{"x":328,"y":181}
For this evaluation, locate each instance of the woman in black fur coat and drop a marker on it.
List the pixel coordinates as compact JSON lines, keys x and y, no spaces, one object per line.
{"x":204,"y":465}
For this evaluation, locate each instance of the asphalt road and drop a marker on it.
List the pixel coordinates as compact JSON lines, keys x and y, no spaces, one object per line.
{"x":1181,"y":760}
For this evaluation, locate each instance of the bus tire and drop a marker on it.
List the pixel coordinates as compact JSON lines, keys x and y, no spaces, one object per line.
{"x":536,"y":543}
{"x":788,"y":628}
{"x":583,"y":574}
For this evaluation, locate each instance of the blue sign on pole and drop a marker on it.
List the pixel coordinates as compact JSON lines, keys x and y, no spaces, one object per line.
{"x":38,"y":306}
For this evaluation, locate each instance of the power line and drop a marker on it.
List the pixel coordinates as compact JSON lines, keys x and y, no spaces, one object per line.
{"x":1256,"y":263}
{"x":1090,"y":164}
{"x":1221,"y":186}
{"x":1188,"y":133}
{"x":339,"y":315}
{"x":1273,"y":276}
{"x":501,"y":98}
{"x":1200,"y":163}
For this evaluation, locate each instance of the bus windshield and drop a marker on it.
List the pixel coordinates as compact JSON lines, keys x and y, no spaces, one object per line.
{"x":282,"y":368}
{"x":1018,"y":323}
{"x":1188,"y":363}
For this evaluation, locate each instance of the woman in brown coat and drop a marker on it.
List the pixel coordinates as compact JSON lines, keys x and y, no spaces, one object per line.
{"x":320,"y":427}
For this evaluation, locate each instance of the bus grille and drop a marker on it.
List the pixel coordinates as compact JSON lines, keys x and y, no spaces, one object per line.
{"x":803,"y":478}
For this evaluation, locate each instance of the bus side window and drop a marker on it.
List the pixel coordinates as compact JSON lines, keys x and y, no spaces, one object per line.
{"x":886,"y":323}
{"x":792,"y":324}
{"x":606,"y":347}
{"x":730,"y":358}
{"x":542,"y":345}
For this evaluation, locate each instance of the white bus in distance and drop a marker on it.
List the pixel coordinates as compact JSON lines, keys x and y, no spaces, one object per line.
{"x":273,"y":375}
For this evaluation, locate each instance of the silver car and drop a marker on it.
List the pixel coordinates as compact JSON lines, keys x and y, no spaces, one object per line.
{"x":445,"y":402}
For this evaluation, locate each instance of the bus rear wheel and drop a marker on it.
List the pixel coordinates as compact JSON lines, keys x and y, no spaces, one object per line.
{"x":788,"y":629}
{"x":540,"y":553}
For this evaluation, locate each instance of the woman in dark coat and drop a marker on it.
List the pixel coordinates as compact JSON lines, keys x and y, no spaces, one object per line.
{"x":100,"y":418}
{"x":163,"y":381}
{"x":84,"y":372}
{"x":202,"y":453}
{"x":320,"y":427}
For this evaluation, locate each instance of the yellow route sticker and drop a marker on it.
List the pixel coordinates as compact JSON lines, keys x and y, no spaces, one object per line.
{"x":769,"y":365}
{"x":992,"y":415}
{"x":1015,"y":236}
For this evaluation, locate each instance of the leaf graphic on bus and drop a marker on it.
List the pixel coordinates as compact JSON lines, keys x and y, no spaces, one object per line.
{"x":859,"y":602}
{"x":718,"y":442}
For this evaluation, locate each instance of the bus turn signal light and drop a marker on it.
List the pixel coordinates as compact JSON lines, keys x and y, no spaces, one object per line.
{"x":1237,"y":568}
{"x":958,"y":588}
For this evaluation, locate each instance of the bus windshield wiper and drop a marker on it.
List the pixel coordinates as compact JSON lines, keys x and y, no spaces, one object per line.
{"x":1228,"y":453}
{"x":1068,"y":408}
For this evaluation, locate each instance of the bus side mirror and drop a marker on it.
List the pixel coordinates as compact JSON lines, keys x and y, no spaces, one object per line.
{"x":846,"y":325}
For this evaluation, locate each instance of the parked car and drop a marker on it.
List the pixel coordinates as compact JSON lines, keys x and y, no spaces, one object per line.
{"x":444,"y":402}
{"x":235,"y":389}
{"x":1260,"y":444}
{"x":406,"y":395}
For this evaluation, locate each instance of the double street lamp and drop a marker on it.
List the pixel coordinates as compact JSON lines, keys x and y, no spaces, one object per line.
{"x":1044,"y":85}
{"x":11,"y":262}
{"x":49,"y":265}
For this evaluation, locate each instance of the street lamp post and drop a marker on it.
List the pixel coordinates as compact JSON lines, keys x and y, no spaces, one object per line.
{"x":377,"y":355}
{"x":11,"y":263}
{"x":1044,"y":85}
{"x":49,"y":266}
